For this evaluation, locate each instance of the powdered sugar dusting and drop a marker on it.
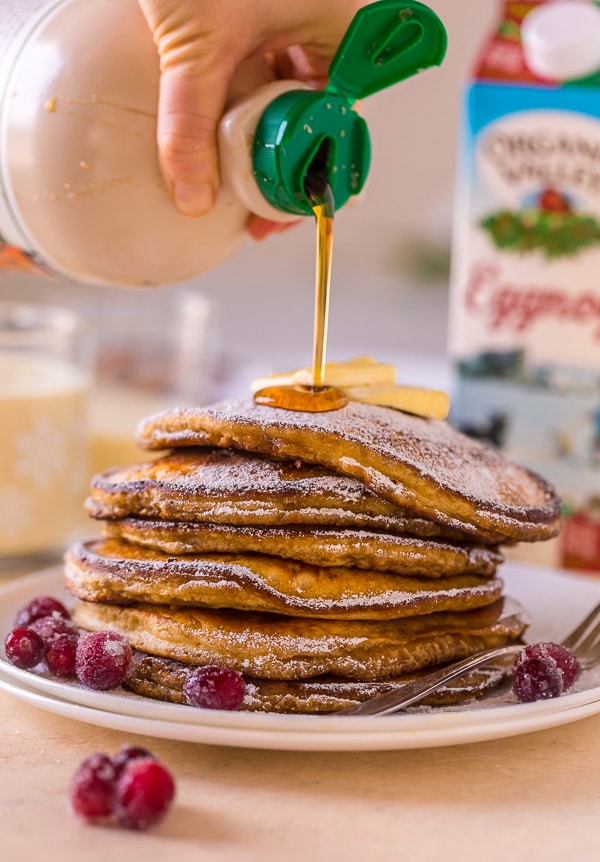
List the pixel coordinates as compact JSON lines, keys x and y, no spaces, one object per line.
{"x":103,"y":570}
{"x":273,"y":647}
{"x":423,"y":464}
{"x":233,"y":472}
{"x":364,"y":549}
{"x":226,"y":486}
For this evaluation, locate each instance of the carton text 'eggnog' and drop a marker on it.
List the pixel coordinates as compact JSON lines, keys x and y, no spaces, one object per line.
{"x":525,"y":302}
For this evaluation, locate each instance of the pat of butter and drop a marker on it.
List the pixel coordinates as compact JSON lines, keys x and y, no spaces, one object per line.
{"x":364,"y":379}
{"x":429,"y":403}
{"x":360,"y":371}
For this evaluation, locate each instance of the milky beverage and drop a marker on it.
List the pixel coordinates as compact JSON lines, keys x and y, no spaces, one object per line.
{"x":525,"y":300}
{"x":43,"y":453}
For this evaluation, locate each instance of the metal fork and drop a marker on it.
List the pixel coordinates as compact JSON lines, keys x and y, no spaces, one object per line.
{"x":584,"y":640}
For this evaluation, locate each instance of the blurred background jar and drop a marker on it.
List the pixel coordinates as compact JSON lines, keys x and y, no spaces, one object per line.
{"x":45,"y":362}
{"x":149,"y":356}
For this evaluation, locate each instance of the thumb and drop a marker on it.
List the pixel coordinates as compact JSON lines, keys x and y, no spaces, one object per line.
{"x":193,"y":97}
{"x":191,"y":102}
{"x":196,"y":68}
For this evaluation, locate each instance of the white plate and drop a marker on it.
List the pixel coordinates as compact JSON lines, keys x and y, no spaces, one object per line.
{"x":556,"y":601}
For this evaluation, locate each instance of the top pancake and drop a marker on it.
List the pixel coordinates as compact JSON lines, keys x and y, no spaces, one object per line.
{"x":422,"y":465}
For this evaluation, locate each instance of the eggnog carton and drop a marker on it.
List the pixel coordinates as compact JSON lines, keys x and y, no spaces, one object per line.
{"x":525,"y":292}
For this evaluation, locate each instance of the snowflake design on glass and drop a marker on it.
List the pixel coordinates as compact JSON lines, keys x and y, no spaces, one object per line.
{"x":41,"y":453}
{"x":77,"y":476}
{"x":15,"y":511}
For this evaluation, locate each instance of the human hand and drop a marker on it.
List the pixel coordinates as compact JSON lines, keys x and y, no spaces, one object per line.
{"x":211,"y":50}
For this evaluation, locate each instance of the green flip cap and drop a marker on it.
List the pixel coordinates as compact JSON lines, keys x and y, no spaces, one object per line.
{"x":317,"y":133}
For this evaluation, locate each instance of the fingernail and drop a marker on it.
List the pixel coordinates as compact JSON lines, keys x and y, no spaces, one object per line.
{"x":193,"y":199}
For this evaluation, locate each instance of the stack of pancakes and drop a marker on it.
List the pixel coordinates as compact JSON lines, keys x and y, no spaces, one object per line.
{"x":328,"y":557}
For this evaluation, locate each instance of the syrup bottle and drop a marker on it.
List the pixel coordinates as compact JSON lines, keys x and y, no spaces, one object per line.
{"x":329,"y":148}
{"x":82,"y":193}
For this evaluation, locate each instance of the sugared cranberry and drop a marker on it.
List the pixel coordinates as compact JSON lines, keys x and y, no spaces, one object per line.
{"x":23,"y":647}
{"x":53,"y":625}
{"x":92,"y":790}
{"x":145,"y":790}
{"x":41,"y":606}
{"x":564,"y":658}
{"x":132,"y":786}
{"x":544,"y":670}
{"x":103,"y":659}
{"x":60,"y":655}
{"x":215,"y":687}
{"x":129,"y":753}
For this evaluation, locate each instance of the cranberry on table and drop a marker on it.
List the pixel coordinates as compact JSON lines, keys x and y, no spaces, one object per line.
{"x":215,"y":687}
{"x":145,"y":790}
{"x":92,"y":790}
{"x":24,"y":647}
{"x":132,"y":787}
{"x":103,"y":659}
{"x":127,"y":754}
{"x":544,"y":670}
{"x":41,"y":606}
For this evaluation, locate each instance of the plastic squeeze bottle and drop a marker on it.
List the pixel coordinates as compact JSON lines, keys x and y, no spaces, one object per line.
{"x":81,"y":190}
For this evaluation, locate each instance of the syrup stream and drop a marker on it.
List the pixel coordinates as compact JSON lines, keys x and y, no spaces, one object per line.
{"x":317,"y":397}
{"x":323,"y":205}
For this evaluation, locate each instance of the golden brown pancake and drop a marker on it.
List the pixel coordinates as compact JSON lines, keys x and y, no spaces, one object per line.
{"x":362,"y":549}
{"x":423,"y":465}
{"x":121,"y":573}
{"x":223,"y":486}
{"x":326,"y":557}
{"x":163,"y":679}
{"x":270,"y":646}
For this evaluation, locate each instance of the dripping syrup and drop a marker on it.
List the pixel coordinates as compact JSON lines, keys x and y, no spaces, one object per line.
{"x":316,"y":398}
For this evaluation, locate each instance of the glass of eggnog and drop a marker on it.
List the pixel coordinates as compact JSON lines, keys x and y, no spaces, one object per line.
{"x":45,"y":366}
